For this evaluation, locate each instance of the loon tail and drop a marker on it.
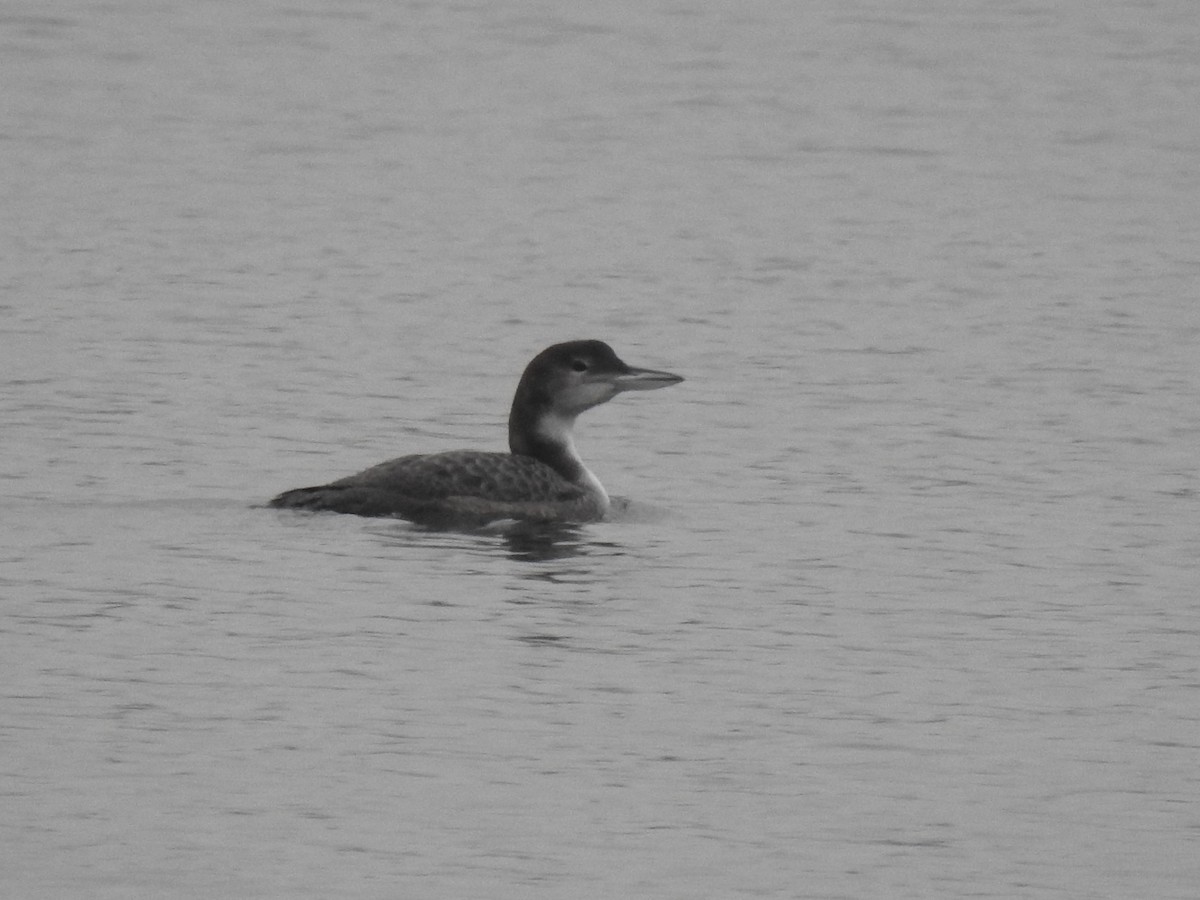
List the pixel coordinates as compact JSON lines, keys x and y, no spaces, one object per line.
{"x":354,"y":499}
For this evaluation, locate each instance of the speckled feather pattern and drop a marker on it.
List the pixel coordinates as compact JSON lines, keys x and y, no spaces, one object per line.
{"x":459,"y":485}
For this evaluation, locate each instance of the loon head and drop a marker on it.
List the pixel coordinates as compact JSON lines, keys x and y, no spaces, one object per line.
{"x":561,"y":382}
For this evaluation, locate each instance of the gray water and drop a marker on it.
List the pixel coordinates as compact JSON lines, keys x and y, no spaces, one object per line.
{"x":904,"y":603}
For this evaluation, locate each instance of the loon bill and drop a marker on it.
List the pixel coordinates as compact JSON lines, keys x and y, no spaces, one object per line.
{"x":542,"y":479}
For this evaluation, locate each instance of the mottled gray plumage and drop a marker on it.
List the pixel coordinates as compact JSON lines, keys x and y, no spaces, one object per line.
{"x":542,"y":479}
{"x":455,"y":487}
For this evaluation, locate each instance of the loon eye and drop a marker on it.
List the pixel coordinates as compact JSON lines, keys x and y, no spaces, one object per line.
{"x":579,"y":365}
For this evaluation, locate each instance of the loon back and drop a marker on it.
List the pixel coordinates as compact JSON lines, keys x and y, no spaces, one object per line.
{"x":541,"y":479}
{"x":461,"y":487}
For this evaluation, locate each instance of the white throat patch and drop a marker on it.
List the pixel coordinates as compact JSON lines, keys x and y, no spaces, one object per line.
{"x":558,"y":430}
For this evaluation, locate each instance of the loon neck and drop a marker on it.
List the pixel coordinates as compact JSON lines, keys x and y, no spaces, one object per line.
{"x":547,"y":437}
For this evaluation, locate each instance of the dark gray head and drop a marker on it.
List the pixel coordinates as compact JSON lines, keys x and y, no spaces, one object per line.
{"x":564,"y":380}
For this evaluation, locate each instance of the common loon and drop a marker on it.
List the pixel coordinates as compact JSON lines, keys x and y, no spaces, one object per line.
{"x":542,"y":479}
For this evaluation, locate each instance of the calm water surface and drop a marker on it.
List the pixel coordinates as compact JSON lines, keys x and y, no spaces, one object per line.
{"x":904,"y":602}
